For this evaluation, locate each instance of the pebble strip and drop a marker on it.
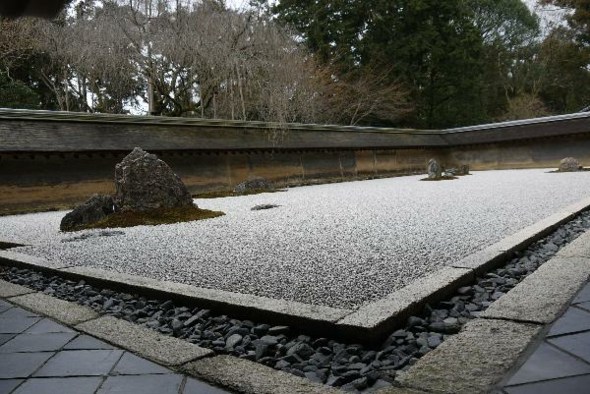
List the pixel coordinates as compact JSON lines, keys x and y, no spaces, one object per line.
{"x":351,"y":367}
{"x":338,"y":245}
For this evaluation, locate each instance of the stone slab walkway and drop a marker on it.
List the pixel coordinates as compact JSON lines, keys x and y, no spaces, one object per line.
{"x":40,"y":356}
{"x":561,"y":361}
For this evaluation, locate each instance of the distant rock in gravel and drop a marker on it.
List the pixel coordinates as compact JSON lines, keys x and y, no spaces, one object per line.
{"x":262,"y":207}
{"x":569,"y":164}
{"x":254,"y":184}
{"x":144,"y":182}
{"x":434,"y":169}
{"x":93,"y":210}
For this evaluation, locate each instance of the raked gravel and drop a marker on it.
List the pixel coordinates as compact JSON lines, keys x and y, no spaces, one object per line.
{"x":339,"y":245}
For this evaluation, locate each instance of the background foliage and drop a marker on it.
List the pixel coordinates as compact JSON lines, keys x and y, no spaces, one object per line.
{"x":411,"y":63}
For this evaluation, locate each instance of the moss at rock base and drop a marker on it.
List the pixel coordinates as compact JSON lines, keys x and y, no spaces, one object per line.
{"x":152,"y":218}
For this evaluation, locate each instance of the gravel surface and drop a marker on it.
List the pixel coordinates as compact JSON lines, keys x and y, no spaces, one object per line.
{"x":352,"y":367}
{"x":339,"y":245}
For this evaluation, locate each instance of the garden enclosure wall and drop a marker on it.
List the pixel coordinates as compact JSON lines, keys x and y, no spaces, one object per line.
{"x":54,"y":160}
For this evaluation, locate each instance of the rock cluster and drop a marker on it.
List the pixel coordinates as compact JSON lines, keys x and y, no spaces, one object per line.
{"x":351,"y":367}
{"x":569,"y":164}
{"x":142,"y":183}
{"x":438,"y":172}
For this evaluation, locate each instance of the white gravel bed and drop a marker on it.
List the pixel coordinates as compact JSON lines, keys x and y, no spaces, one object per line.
{"x":339,"y":245}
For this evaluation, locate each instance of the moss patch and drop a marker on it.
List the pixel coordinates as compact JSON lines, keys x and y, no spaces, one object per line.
{"x":153,"y":217}
{"x":226,"y":193}
{"x":442,"y":178}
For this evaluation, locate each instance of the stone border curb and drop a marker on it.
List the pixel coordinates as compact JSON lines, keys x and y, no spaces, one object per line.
{"x":577,"y":248}
{"x":235,"y":303}
{"x":367,"y":324}
{"x":227,"y":371}
{"x":384,"y":315}
{"x":25,"y":260}
{"x":486,"y":349}
{"x":60,"y":310}
{"x":147,"y":343}
{"x":472,"y":361}
{"x":8,"y":289}
{"x":250,"y":377}
{"x":380,"y":317}
{"x":540,"y":297}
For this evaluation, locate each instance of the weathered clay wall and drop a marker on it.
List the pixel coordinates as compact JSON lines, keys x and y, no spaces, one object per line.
{"x":50,"y":161}
{"x":42,"y":181}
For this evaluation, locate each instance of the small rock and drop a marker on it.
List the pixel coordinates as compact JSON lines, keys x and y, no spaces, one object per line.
{"x":414,"y":321}
{"x":569,"y":164}
{"x":278,"y":330}
{"x":269,"y":340}
{"x":95,"y":209}
{"x":261,"y":329}
{"x":262,"y":207}
{"x":233,"y":341}
{"x":301,"y":349}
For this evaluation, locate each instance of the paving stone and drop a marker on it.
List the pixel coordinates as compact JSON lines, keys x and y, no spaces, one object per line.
{"x":17,"y":325}
{"x":473,"y":360}
{"x":21,"y":365}
{"x":4,"y":306}
{"x":547,"y":363}
{"x":577,"y":248}
{"x":194,"y":386}
{"x":81,"y":385}
{"x":573,"y":320}
{"x":85,"y":342}
{"x":143,"y":384}
{"x":540,"y":297}
{"x":130,"y":364}
{"x":577,"y":344}
{"x":6,"y":386}
{"x":16,"y":313}
{"x":584,"y":295}
{"x":252,"y":378}
{"x":569,"y":385}
{"x":142,"y":341}
{"x":26,"y":343}
{"x":8,"y":289}
{"x":47,"y":326}
{"x":66,"y":312}
{"x":5,"y":338}
{"x":584,"y":305}
{"x":80,"y":363}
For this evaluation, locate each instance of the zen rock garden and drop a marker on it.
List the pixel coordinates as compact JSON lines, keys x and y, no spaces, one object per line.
{"x":147,"y":192}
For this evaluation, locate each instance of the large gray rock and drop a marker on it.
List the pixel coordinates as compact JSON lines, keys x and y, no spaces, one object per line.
{"x":144,"y":182}
{"x":569,"y":164}
{"x":93,"y":210}
{"x":253,"y":184}
{"x":434,"y":169}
